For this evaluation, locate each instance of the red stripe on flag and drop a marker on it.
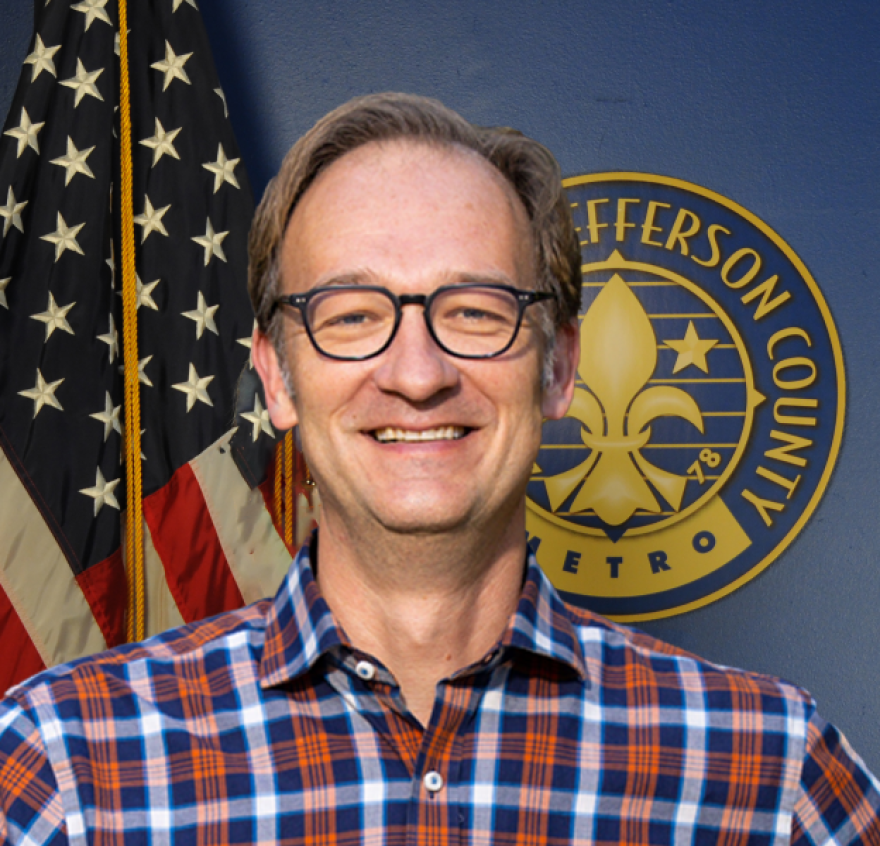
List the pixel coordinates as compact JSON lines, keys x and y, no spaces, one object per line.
{"x":183,"y":534}
{"x":20,"y":659}
{"x":104,"y":586}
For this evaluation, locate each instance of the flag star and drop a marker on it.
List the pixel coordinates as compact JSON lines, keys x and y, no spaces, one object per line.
{"x":116,"y":48}
{"x":142,"y":375}
{"x":248,"y":341}
{"x":11,"y":212}
{"x":64,"y":237}
{"x":203,"y":316}
{"x":172,"y":66}
{"x":111,"y":339}
{"x":124,"y":451}
{"x":162,"y":143}
{"x":83,"y":83}
{"x":151,"y":219}
{"x":142,"y":372}
{"x":41,"y":59}
{"x":145,"y":293}
{"x":102,"y":492}
{"x":222,"y":96}
{"x":109,"y":416}
{"x":25,"y":134}
{"x":195,"y":388}
{"x":3,"y":284}
{"x":259,"y":419}
{"x":111,"y":263}
{"x":212,"y":242}
{"x":691,"y":350}
{"x":222,"y":169}
{"x":178,"y":2}
{"x":74,"y":162}
{"x":55,"y":317}
{"x":93,"y":10}
{"x":43,"y":393}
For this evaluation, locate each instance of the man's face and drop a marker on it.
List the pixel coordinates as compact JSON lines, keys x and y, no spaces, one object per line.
{"x":414,"y":440}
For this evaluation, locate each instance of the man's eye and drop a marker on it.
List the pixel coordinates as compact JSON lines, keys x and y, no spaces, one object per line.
{"x":352,"y":318}
{"x":350,"y":321}
{"x":474,"y":317}
{"x":477,"y":314}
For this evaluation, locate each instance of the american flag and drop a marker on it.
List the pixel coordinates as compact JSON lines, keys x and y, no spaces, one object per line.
{"x":210,"y":542}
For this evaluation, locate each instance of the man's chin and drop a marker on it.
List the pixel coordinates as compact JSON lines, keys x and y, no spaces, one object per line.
{"x":423,"y":523}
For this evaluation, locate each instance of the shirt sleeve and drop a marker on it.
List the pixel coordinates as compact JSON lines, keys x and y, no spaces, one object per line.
{"x":30,"y":806}
{"x":839,"y":800}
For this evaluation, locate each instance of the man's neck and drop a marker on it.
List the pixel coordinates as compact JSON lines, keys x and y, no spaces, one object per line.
{"x":425,"y":606}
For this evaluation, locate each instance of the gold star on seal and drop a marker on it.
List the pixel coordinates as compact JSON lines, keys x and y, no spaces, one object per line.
{"x":691,"y":350}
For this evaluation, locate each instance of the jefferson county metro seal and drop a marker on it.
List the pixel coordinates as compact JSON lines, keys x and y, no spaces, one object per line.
{"x":709,"y":405}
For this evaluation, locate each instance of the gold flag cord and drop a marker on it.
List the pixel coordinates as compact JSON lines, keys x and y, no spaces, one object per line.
{"x":278,"y":495}
{"x":288,"y":488}
{"x":284,"y":488}
{"x":134,"y":514}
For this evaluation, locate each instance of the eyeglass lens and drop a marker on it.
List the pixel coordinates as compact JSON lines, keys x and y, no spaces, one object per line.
{"x":471,"y":321}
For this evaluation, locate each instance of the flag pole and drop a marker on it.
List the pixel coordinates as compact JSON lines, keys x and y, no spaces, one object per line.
{"x":132,"y":410}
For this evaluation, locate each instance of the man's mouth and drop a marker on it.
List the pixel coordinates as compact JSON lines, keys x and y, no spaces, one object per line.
{"x":443,"y":433}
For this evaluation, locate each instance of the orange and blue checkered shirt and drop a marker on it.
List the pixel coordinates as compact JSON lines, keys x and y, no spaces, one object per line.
{"x":265,"y":726}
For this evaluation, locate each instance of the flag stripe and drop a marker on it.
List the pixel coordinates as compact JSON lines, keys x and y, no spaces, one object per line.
{"x":256,"y":555}
{"x":195,"y":565}
{"x":45,"y":594}
{"x":162,"y":610}
{"x":105,"y":588}
{"x":20,"y":657}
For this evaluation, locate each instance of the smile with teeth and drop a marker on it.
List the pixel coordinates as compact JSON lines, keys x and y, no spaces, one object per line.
{"x":443,"y":433}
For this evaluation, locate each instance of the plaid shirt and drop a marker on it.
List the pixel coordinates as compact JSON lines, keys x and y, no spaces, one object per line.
{"x":264,"y":725}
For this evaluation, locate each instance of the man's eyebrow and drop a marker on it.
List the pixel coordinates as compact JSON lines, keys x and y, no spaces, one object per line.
{"x":355,"y":277}
{"x":366,"y":277}
{"x":491,"y":278}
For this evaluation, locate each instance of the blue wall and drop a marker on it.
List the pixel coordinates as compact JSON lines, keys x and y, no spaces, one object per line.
{"x":775,"y":105}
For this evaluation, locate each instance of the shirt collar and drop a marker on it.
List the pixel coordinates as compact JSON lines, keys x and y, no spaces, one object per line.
{"x":300,"y":627}
{"x":543,"y":624}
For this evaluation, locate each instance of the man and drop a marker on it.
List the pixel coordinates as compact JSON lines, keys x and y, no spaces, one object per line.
{"x":417,"y":679}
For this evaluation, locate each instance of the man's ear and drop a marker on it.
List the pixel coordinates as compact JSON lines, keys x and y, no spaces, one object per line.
{"x":560,"y":389}
{"x":282,"y":411}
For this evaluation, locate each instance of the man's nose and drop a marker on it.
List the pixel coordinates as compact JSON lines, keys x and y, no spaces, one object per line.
{"x":414,"y":366}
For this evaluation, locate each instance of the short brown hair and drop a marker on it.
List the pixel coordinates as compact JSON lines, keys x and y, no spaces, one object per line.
{"x":527,"y":165}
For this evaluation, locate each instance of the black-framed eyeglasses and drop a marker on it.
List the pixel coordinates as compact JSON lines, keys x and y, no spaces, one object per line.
{"x":357,"y":322}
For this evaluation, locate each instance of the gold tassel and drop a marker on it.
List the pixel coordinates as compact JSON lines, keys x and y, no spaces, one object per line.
{"x":136,"y":620}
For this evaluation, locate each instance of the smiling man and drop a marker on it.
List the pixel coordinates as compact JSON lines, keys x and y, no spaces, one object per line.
{"x":416,"y":282}
{"x":420,"y":419}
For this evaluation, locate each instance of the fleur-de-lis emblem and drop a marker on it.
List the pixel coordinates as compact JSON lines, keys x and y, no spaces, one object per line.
{"x":618,"y":357}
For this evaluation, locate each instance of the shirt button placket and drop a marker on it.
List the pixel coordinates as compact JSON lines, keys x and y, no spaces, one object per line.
{"x":365,"y":670}
{"x":433,"y":781}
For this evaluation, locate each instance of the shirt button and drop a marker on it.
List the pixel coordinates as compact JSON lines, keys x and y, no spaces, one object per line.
{"x":433,"y":781}
{"x":365,"y":670}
